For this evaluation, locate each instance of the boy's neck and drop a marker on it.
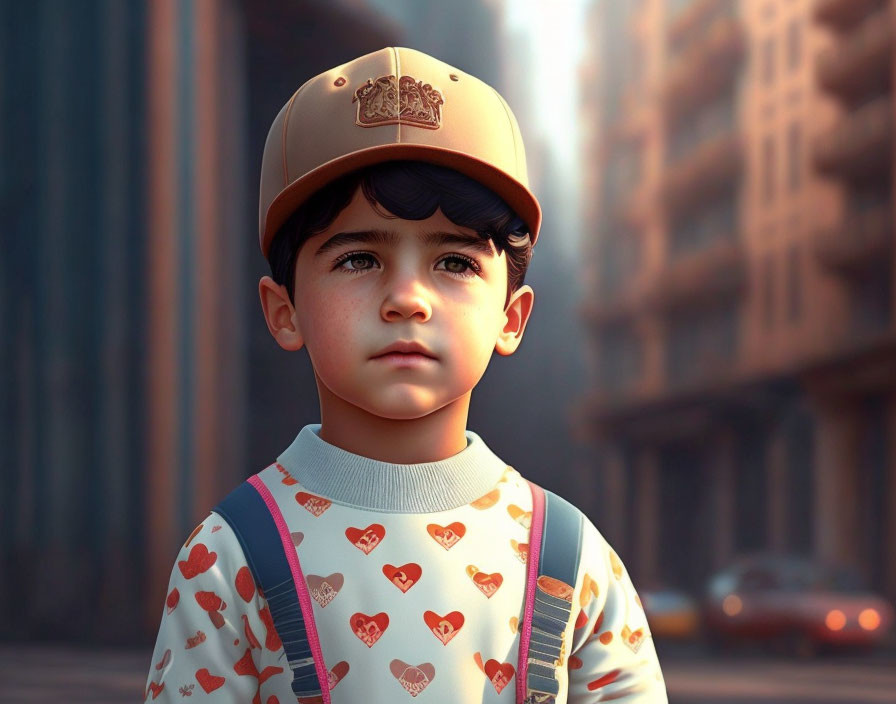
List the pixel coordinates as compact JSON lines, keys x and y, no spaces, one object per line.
{"x":436,"y":436}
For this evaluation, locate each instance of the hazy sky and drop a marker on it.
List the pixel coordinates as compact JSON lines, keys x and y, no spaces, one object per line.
{"x":557,"y":38}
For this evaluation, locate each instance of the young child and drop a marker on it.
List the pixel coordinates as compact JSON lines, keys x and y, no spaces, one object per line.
{"x":398,"y":224}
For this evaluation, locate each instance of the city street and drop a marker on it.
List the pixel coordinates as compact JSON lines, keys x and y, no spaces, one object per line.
{"x":739,"y":680}
{"x":59,"y":674}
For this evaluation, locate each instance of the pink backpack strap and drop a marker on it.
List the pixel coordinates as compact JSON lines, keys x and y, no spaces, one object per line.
{"x":258,"y":524}
{"x":533,"y":555}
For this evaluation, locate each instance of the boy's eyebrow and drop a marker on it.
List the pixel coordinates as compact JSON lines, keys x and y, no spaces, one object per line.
{"x":387,"y":237}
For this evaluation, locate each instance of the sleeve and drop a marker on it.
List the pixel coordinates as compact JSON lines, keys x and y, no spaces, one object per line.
{"x":613,"y":655}
{"x":216,"y":640}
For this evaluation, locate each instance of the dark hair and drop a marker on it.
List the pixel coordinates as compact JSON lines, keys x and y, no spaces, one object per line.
{"x":411,"y":190}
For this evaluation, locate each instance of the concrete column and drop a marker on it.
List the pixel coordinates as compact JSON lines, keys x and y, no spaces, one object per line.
{"x":163,"y":529}
{"x":836,"y":460}
{"x":647,"y":509}
{"x":721,"y":470}
{"x":778,"y":489}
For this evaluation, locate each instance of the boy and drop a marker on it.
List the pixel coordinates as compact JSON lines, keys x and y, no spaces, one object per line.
{"x":398,"y":224}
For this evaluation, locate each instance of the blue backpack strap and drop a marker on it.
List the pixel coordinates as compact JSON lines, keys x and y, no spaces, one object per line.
{"x":557,"y":568}
{"x":246,"y":512}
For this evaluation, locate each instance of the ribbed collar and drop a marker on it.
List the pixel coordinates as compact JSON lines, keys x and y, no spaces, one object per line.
{"x":347,"y":478}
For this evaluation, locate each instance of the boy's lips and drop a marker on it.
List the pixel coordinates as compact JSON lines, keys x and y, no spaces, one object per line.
{"x":405,"y":347}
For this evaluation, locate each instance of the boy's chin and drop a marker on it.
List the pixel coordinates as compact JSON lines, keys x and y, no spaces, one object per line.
{"x":404,"y":407}
{"x":402,"y":411}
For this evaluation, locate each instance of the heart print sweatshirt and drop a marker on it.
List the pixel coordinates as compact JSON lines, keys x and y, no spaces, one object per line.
{"x":417,"y":576}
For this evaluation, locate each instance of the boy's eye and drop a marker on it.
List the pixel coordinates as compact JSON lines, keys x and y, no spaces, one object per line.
{"x":360,"y":261}
{"x":460,"y":265}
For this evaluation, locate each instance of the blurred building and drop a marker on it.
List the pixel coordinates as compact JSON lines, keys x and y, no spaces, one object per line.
{"x":131,"y":142}
{"x":740,"y":281}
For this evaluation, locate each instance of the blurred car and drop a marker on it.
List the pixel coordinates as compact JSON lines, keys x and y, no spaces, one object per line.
{"x":794,"y":603}
{"x":671,"y":614}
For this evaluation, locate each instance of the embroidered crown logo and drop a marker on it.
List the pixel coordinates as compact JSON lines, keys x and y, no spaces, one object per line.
{"x":407,"y":101}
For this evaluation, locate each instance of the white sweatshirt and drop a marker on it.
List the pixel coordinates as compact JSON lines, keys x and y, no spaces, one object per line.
{"x":417,"y":576}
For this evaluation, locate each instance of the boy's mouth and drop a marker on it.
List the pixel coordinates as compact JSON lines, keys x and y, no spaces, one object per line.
{"x":408,"y":348}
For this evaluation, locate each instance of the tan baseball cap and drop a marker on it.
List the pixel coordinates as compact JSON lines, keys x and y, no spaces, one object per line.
{"x":395,"y":103}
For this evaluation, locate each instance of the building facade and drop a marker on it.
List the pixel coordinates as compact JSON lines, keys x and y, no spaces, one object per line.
{"x":740,"y":300}
{"x":137,"y":385}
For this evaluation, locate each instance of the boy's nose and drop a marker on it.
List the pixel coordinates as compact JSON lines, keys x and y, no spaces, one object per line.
{"x":406,"y":299}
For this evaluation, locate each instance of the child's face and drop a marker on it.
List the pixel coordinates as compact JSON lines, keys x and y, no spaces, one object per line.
{"x":355,"y":296}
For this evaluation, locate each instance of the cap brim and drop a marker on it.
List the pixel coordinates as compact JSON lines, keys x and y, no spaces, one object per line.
{"x":515,"y":194}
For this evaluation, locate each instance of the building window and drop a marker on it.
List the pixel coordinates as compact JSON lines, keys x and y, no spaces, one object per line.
{"x":768,"y":292}
{"x":794,"y":43}
{"x":620,"y":358}
{"x":795,"y":156}
{"x":768,"y":168}
{"x":767,"y":57}
{"x":701,"y":343}
{"x":871,"y":304}
{"x":794,"y":286}
{"x":715,"y":223}
{"x":619,"y":261}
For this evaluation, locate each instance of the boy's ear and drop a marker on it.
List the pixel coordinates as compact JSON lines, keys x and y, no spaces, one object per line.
{"x":517,"y":315}
{"x":280,"y":314}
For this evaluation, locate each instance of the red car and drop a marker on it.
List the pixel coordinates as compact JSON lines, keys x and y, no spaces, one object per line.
{"x":795,"y":603}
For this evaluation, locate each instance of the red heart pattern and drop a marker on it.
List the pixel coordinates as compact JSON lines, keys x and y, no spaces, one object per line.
{"x":324,"y":589}
{"x":403,"y":577}
{"x":521,"y":550}
{"x":156,"y":689}
{"x":246,"y":665}
{"x":208,"y":681}
{"x":209,"y":601}
{"x":166,"y":658}
{"x":245,"y":585}
{"x":633,"y":639}
{"x":250,"y":635}
{"x":524,"y":518}
{"x":444,"y":627}
{"x":500,"y":674}
{"x":193,"y":641}
{"x":172,"y":600}
{"x":316,"y":505}
{"x":487,"y":500}
{"x":366,"y":539}
{"x":581,"y":619}
{"x":488,"y":583}
{"x":272,"y":640}
{"x":287,"y":477}
{"x":198,"y":561}
{"x":369,"y":629}
{"x":447,"y":536}
{"x":336,"y":673}
{"x":213,"y":604}
{"x":414,"y":678}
